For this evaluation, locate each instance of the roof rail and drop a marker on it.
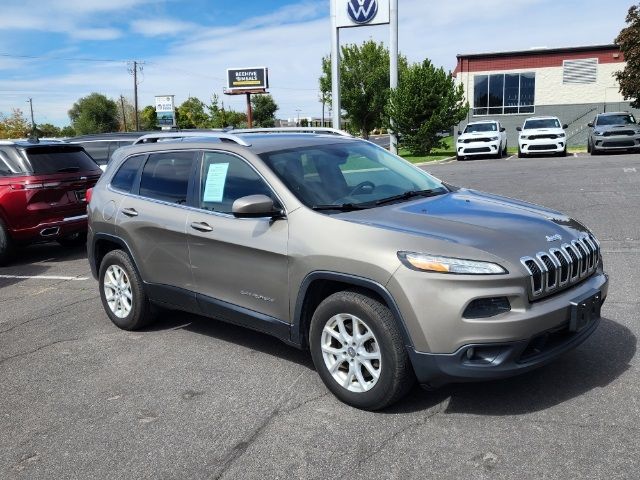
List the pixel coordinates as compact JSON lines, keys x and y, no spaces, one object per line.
{"x":321,"y":130}
{"x":168,"y":136}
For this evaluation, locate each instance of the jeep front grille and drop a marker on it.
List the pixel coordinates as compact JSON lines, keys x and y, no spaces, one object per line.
{"x":552,"y":271}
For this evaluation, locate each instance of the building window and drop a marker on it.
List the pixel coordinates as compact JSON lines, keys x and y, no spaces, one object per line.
{"x":504,"y":94}
{"x":579,"y":72}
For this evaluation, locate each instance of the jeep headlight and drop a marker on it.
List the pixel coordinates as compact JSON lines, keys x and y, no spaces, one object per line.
{"x":494,"y":139}
{"x":523,"y":137}
{"x":562,"y":135}
{"x":435,"y":263}
{"x":598,"y":133}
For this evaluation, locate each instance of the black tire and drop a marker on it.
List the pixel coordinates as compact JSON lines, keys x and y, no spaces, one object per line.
{"x":520,"y":154}
{"x":460,"y":158}
{"x":6,"y":245}
{"x":74,"y":240}
{"x":141,"y":313}
{"x":588,"y":147}
{"x":396,"y":374}
{"x":505,"y":151}
{"x":563,"y":153}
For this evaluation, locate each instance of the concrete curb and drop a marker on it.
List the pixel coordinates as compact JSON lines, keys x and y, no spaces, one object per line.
{"x":435,"y":162}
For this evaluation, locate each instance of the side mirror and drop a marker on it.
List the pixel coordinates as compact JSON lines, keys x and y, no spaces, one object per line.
{"x":459,"y":132}
{"x":255,"y":206}
{"x":565,"y":126}
{"x":502,"y":129}
{"x":519,"y":129}
{"x":590,"y":125}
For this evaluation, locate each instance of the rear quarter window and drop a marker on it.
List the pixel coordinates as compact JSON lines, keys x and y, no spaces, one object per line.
{"x":126,"y":174}
{"x":47,"y":160}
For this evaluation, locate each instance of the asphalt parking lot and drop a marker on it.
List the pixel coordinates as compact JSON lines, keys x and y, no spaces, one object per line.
{"x":194,"y":398}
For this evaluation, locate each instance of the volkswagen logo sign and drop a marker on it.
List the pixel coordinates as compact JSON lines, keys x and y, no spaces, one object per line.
{"x":362,"y":11}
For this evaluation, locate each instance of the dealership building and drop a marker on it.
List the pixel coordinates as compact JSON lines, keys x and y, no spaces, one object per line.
{"x":573,"y":84}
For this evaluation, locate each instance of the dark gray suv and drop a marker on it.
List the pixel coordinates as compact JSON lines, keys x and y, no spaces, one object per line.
{"x":613,"y":131}
{"x":331,"y":243}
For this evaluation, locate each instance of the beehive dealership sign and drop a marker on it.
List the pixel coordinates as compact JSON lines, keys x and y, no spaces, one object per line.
{"x":247,"y":78}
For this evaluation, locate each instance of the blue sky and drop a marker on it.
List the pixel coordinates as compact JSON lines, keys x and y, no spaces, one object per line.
{"x":186,"y":46}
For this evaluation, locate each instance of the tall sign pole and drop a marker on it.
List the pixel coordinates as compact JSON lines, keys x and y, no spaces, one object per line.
{"x":335,"y":66}
{"x":359,"y":13}
{"x":393,"y":53}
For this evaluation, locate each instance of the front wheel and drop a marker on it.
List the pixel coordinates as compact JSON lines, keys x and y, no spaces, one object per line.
{"x":122,"y":292}
{"x":358,"y":351}
{"x":520,"y":154}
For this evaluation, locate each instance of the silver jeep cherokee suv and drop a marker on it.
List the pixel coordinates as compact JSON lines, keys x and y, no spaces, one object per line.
{"x":331,"y":243}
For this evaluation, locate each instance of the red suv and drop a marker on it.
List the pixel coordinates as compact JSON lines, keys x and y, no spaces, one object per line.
{"x":43,"y":190}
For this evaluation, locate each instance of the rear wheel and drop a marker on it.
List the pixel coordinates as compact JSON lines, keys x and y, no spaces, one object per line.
{"x":122,"y":292}
{"x":6,"y":245}
{"x":358,"y":351}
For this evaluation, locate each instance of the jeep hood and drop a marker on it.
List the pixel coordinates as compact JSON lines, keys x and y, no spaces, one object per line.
{"x":497,"y":225}
{"x":466,"y":136}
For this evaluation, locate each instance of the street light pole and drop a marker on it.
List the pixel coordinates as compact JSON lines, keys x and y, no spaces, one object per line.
{"x":335,"y":67}
{"x":393,"y":51}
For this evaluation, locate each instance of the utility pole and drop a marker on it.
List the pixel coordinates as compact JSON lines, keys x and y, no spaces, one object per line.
{"x":298,"y":121}
{"x":124,"y":115}
{"x":249,"y":111}
{"x":134,"y":70}
{"x":33,"y":124}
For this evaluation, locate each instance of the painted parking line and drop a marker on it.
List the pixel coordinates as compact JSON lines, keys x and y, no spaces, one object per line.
{"x":511,"y":157}
{"x":42,"y":277}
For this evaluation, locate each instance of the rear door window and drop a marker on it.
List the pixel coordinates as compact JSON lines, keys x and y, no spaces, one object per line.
{"x":127,"y":173}
{"x":166,"y":176}
{"x":99,"y":151}
{"x":60,"y":159}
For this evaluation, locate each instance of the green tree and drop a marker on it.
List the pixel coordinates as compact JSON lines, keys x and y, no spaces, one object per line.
{"x":364,"y":83}
{"x":128,"y":117}
{"x":220,"y":117}
{"x":427,"y":101}
{"x":48,"y":130}
{"x":15,"y":125}
{"x":94,"y":113}
{"x":264,"y":111}
{"x":629,"y":77}
{"x":191,"y":114}
{"x":148,"y":118}
{"x":68,"y":131}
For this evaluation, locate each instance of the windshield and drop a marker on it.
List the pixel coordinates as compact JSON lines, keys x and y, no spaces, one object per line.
{"x":481,"y":127}
{"x":622,"y":119}
{"x":355,"y":174}
{"x":542,"y":123}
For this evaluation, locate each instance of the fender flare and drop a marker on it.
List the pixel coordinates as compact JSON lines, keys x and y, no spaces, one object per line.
{"x":298,"y":335}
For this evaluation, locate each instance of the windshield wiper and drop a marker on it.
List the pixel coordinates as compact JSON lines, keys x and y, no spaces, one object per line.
{"x":344,"y":207}
{"x":407,"y":195}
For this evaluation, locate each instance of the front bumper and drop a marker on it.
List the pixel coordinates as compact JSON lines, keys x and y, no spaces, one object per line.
{"x":502,"y":360}
{"x":616,"y":143}
{"x":543,"y":145}
{"x":478,"y":148}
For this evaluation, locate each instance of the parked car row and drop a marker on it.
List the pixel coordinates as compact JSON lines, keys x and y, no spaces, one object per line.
{"x":614,"y":131}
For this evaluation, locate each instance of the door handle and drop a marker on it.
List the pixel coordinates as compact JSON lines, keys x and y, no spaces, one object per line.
{"x":130,"y":212}
{"x":202,"y":227}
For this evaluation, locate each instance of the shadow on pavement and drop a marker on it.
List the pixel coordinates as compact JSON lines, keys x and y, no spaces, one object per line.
{"x":233,"y":334}
{"x":32,"y":260}
{"x":595,"y":364}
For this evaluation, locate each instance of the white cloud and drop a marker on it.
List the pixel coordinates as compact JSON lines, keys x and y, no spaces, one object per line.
{"x":160,"y":27}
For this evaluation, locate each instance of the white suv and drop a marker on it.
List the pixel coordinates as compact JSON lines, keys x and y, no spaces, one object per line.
{"x":486,"y":137}
{"x":542,"y":135}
